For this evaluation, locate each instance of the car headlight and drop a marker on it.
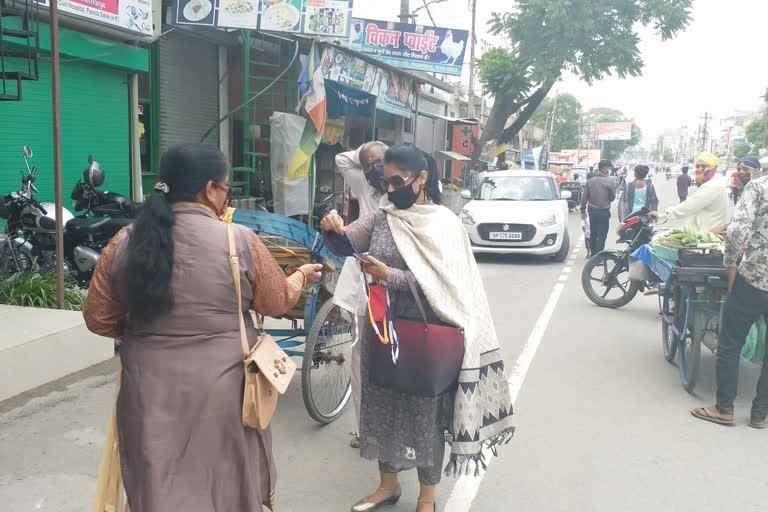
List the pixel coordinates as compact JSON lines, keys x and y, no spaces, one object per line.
{"x":549,"y":220}
{"x":467,"y":218}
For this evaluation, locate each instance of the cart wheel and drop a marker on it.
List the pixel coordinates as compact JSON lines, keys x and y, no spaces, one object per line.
{"x":669,"y":339}
{"x":326,"y":368}
{"x":690,"y":350}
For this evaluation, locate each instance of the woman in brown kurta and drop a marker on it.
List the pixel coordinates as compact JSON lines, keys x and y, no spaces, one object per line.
{"x":164,"y":285}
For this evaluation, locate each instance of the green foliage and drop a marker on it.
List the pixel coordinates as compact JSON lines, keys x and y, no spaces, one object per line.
{"x":669,"y":155}
{"x":742,"y":150}
{"x":565,"y":132}
{"x":756,"y":132}
{"x":591,"y":38}
{"x":39,"y":291}
{"x":613,"y":149}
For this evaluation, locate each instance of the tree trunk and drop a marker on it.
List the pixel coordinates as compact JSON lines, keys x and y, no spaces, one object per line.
{"x":500,"y":113}
{"x":502,"y":109}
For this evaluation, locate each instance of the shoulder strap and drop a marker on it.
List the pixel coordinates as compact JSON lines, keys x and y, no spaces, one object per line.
{"x":412,"y":284}
{"x":235,"y":264}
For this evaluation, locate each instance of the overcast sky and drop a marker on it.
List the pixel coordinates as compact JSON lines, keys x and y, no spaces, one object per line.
{"x":717,"y":65}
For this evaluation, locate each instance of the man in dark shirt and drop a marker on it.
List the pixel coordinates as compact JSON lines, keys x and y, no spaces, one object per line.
{"x":599,"y":193}
{"x":684,"y":182}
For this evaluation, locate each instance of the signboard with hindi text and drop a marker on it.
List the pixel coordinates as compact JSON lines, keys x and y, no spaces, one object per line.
{"x":614,"y":131}
{"x":461,"y":143}
{"x":407,"y":46}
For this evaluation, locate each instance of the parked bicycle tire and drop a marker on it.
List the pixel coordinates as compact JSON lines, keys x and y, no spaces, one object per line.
{"x":326,"y":368}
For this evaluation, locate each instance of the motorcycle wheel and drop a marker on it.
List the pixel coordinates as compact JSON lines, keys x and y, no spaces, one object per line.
{"x":13,"y":262}
{"x":605,"y":280}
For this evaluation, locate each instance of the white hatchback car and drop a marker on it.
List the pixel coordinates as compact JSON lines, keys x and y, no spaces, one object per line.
{"x":518,"y":212}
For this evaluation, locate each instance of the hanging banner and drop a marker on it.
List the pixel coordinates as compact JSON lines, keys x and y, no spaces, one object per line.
{"x":397,"y":94}
{"x":132,"y":15}
{"x":345,"y":101}
{"x":345,"y":68}
{"x":424,"y":48}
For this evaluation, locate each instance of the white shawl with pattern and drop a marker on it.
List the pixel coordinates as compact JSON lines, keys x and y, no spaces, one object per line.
{"x":436,"y":248}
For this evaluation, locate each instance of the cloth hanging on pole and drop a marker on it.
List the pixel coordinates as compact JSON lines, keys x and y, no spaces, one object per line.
{"x":312,"y":85}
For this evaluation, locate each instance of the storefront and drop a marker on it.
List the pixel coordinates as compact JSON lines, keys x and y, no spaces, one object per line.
{"x":95,"y":118}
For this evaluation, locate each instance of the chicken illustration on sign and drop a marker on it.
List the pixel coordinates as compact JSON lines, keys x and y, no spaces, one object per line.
{"x":435,"y":49}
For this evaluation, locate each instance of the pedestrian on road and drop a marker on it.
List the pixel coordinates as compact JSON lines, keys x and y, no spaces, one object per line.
{"x":748,"y":286}
{"x":591,"y":174}
{"x":164,"y":286}
{"x":638,"y":194}
{"x":416,"y":242}
{"x":707,"y":208}
{"x":684,"y":183}
{"x":362,"y":170}
{"x":598,"y":195}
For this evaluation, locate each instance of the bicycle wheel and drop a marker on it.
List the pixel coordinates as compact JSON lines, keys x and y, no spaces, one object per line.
{"x":689,"y":347}
{"x":326,"y":376}
{"x":669,"y":340}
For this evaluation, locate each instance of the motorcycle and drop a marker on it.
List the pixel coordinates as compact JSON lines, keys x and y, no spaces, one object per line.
{"x":605,"y":278}
{"x":29,"y":241}
{"x":91,"y":201}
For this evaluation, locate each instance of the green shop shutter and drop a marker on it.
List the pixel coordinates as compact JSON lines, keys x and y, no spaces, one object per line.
{"x":189,"y":89}
{"x":94,"y":121}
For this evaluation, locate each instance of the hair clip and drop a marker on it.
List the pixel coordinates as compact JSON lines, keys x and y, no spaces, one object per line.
{"x":162,"y":187}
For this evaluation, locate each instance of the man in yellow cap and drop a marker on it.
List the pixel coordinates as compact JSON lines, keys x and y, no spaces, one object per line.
{"x":707,"y":208}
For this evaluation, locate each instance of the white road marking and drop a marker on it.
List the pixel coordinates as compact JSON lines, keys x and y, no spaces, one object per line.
{"x":465,"y":490}
{"x":567,"y":269}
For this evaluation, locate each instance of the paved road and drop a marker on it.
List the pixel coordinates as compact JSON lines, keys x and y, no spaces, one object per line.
{"x":603,"y":423}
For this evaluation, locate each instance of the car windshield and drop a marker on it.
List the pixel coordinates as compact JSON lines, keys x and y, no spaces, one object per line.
{"x":517,"y":188}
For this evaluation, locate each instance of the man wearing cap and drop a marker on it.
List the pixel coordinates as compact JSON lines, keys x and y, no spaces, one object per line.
{"x":707,"y":208}
{"x":599,"y":193}
{"x":748,"y":168}
{"x":748,"y":286}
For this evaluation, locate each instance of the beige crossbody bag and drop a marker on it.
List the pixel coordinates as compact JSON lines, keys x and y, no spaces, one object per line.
{"x":268,"y":369}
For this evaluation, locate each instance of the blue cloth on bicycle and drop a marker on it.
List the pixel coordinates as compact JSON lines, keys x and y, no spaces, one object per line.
{"x":663,"y":269}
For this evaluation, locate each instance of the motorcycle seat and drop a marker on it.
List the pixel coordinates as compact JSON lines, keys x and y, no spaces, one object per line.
{"x":84,"y":225}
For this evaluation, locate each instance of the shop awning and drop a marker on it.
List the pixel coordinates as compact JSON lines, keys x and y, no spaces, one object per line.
{"x":450,"y":155}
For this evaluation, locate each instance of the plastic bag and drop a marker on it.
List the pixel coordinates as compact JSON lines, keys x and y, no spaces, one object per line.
{"x":285,"y":133}
{"x":754,"y":347}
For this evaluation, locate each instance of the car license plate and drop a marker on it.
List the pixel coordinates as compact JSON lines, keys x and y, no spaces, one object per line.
{"x":502,"y":235}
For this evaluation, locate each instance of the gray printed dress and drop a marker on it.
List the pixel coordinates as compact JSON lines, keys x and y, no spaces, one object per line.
{"x":397,"y":429}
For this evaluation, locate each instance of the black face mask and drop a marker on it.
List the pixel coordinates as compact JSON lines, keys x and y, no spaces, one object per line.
{"x":374,"y":176}
{"x":404,"y":198}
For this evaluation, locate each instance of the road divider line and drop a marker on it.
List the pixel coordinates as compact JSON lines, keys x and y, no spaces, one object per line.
{"x":465,"y":490}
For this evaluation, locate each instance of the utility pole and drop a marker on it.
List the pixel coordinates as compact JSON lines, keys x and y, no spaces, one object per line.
{"x":473,"y":6}
{"x":704,"y":134}
{"x":405,"y":11}
{"x":56,"y":115}
{"x":552,"y":124}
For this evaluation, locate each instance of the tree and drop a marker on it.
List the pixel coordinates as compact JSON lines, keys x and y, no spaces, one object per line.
{"x":544,"y":38}
{"x":742,"y":150}
{"x":756,"y":132}
{"x":669,"y":155}
{"x":565,"y":131}
{"x":613,"y":149}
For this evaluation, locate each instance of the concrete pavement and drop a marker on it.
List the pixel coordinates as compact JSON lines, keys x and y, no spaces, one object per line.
{"x":603,"y":423}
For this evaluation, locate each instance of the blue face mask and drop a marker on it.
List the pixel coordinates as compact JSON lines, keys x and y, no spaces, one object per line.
{"x":374,"y":176}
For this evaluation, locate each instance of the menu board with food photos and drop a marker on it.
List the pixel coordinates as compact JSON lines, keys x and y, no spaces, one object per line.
{"x":322,"y":17}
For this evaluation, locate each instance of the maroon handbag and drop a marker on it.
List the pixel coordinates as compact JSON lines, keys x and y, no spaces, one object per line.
{"x":418,"y":358}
